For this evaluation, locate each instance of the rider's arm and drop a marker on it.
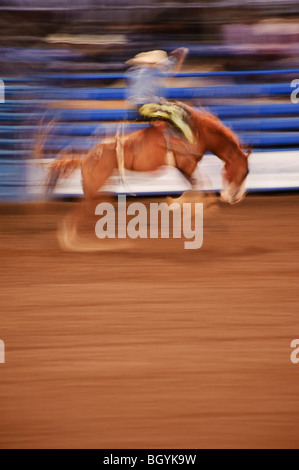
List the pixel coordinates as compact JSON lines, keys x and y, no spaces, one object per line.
{"x":179,"y":55}
{"x":174,"y":61}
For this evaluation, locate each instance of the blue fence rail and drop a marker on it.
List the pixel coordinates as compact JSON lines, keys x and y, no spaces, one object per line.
{"x":228,"y":91}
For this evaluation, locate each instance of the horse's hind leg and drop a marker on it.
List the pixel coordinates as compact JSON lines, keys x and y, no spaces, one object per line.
{"x":93,"y":178}
{"x":67,"y":231}
{"x":77,"y":230}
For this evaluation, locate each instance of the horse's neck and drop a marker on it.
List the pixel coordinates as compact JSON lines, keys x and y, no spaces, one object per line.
{"x":221,"y":146}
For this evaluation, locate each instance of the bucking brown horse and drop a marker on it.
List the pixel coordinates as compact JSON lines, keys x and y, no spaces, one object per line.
{"x":151,"y":148}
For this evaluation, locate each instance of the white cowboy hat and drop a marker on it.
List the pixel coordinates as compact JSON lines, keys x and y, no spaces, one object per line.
{"x":151,"y":57}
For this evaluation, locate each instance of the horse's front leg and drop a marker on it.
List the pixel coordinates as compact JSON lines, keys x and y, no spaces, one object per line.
{"x":202,"y":188}
{"x":187,"y":165}
{"x":199,"y":180}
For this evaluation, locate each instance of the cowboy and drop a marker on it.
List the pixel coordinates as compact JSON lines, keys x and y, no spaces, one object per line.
{"x":146,"y":87}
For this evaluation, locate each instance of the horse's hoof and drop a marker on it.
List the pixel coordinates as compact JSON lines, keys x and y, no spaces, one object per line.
{"x":69,"y":241}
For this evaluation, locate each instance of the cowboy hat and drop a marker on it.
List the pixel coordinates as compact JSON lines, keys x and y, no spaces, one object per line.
{"x":151,"y":57}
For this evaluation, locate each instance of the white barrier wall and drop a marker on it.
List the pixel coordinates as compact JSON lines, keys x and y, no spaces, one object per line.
{"x":268,"y":171}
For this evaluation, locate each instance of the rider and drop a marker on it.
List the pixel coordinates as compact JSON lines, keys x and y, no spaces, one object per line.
{"x":146,"y":87}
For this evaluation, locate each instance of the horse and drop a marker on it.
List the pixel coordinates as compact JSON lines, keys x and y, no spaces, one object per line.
{"x":150,"y":148}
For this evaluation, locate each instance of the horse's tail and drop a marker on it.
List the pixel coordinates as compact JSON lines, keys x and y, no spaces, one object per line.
{"x":61,"y":168}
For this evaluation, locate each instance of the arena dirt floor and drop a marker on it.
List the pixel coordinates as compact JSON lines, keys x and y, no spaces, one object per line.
{"x":153,"y":346}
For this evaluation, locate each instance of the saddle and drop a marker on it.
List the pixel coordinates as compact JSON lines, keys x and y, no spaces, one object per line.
{"x":173,"y":113}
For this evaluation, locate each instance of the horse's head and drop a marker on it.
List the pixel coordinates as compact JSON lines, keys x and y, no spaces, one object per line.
{"x":222,"y":141}
{"x":234,"y":178}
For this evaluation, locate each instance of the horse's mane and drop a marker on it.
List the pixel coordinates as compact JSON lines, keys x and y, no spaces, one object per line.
{"x":205,"y":119}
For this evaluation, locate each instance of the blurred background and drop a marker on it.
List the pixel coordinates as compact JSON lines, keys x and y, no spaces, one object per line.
{"x":64,"y":63}
{"x":92,"y":36}
{"x":153,"y":346}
